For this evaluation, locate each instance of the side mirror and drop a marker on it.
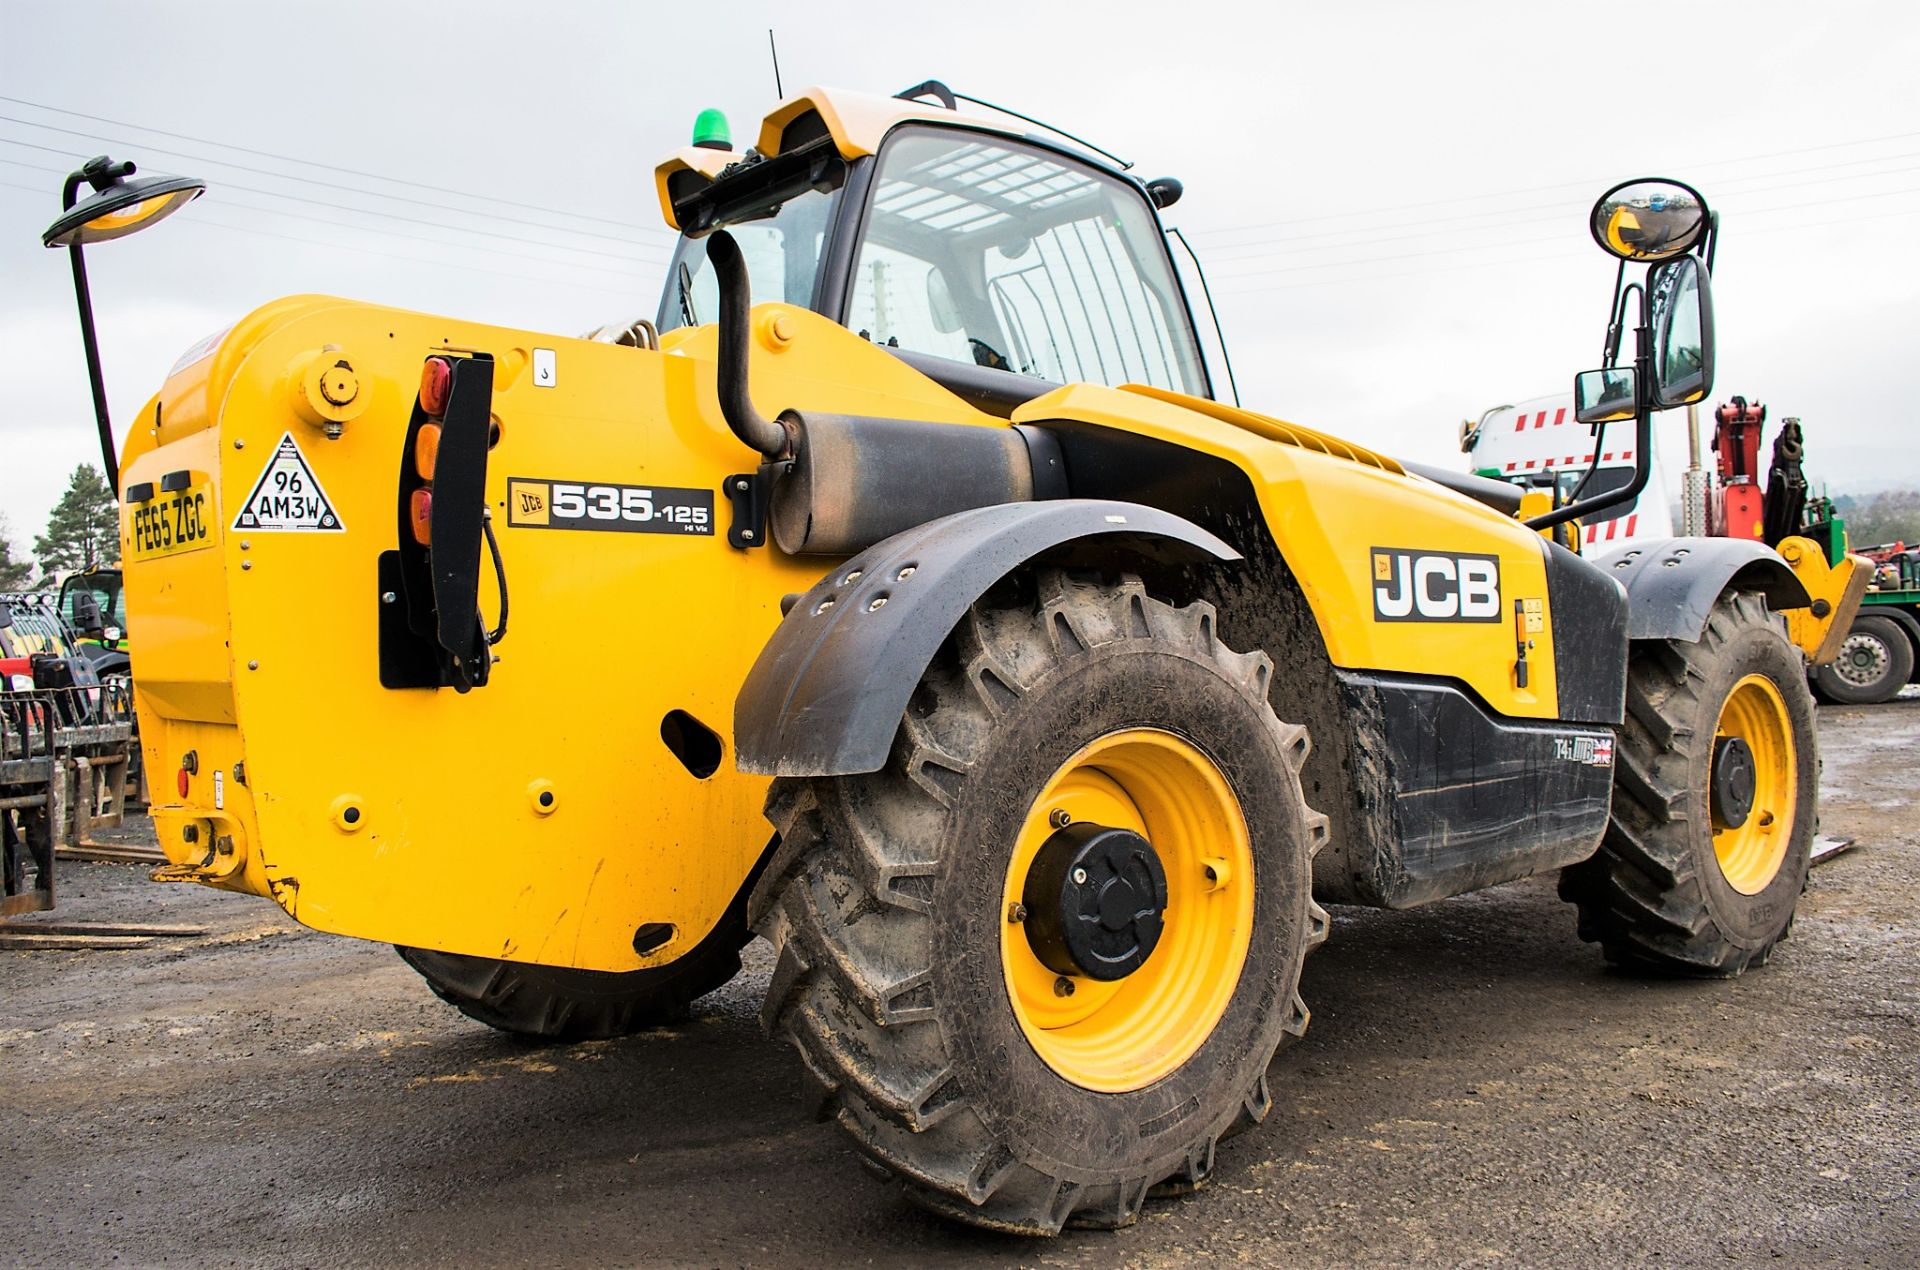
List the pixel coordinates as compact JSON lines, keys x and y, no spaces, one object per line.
{"x":1682,"y":333}
{"x":86,"y":613}
{"x":1605,"y":396}
{"x":1646,"y":220}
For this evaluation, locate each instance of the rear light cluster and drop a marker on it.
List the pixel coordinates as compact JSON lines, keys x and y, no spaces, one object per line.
{"x":436,"y":384}
{"x":431,"y":631}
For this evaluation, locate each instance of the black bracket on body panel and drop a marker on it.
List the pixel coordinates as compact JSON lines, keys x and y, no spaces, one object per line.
{"x":751,"y":494}
{"x":828,"y":691}
{"x":1672,"y":583}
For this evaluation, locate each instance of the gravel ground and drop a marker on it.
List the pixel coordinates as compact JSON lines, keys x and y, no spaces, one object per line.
{"x":1476,"y":1087}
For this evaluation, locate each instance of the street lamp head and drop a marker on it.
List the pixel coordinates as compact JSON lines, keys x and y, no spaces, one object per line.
{"x":118,"y":206}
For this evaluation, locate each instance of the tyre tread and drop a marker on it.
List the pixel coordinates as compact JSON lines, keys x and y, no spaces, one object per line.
{"x":1640,"y":896}
{"x":881,"y":1071}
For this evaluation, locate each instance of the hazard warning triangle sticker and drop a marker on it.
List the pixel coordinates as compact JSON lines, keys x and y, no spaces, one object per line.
{"x":288,"y":497}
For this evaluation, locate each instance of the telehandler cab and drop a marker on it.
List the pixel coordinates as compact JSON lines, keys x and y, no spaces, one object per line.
{"x":1079,"y":690}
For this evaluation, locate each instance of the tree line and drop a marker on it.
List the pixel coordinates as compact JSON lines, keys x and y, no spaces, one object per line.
{"x":83,"y":532}
{"x":1877,"y":519}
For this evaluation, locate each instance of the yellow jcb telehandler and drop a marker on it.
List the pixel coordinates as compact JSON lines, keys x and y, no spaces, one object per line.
{"x":1027,"y":697}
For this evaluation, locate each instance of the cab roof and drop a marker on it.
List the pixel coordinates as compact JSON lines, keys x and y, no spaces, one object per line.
{"x":855,"y":123}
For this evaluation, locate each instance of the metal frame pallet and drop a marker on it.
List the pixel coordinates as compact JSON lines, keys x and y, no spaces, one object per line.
{"x":64,"y":754}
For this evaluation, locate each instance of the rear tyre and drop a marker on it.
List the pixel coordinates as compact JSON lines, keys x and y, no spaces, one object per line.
{"x":557,"y":1003}
{"x":1875,"y":663}
{"x":1714,"y":801}
{"x":907,"y":908}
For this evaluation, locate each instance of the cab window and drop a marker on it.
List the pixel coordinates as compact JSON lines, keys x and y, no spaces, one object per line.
{"x":781,"y":246}
{"x":988,"y":251}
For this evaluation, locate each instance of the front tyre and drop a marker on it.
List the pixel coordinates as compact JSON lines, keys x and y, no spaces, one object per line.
{"x":1714,"y":803}
{"x":1039,"y":963}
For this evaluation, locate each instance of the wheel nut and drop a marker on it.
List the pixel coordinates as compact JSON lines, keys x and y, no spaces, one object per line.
{"x":1016,"y":913}
{"x":1060,"y":818}
{"x":1079,"y":877}
{"x":1063,"y":987}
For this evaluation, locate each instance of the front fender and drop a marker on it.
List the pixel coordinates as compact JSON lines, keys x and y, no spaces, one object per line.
{"x":829,"y":689}
{"x":1672,"y":583}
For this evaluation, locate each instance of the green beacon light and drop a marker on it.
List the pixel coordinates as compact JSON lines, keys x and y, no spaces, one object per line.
{"x":710,"y":131}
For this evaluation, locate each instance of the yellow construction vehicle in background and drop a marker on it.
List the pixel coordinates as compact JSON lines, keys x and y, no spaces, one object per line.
{"x":1027,"y":696}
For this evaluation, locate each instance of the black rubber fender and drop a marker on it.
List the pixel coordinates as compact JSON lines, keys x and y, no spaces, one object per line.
{"x":829,"y":689}
{"x":1673,"y":583}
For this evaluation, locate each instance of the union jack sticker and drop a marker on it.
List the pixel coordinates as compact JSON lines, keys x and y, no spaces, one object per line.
{"x":1595,"y":751}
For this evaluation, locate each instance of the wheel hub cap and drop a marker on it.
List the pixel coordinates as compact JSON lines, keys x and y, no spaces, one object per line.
{"x":1094,"y":901}
{"x":1733,"y":781}
{"x":1862,"y":661}
{"x":1167,"y":904}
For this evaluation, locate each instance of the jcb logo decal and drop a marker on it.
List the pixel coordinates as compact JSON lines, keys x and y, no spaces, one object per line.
{"x":1435,"y":586}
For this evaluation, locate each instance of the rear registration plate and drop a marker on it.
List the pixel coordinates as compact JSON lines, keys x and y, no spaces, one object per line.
{"x":181,"y":520}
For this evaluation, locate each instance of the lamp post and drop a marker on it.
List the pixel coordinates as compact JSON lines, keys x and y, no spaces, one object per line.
{"x":117,"y":207}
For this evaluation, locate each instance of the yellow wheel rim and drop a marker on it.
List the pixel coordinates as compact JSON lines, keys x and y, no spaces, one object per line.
{"x":1125,"y":1034}
{"x":1750,"y":855}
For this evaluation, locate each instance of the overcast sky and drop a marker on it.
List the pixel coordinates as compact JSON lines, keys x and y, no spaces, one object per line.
{"x":1390,"y":197}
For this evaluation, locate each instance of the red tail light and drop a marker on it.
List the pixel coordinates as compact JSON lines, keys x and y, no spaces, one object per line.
{"x":420,"y":511}
{"x":436,"y":381}
{"x":180,"y":781}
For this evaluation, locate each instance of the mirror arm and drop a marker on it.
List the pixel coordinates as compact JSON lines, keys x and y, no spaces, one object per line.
{"x":1593,"y":465}
{"x":1618,"y":327}
{"x":1642,"y":436}
{"x":1642,"y":471}
{"x":1713,"y":238}
{"x":1612,"y":347}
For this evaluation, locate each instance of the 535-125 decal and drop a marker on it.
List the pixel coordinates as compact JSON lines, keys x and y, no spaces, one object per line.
{"x":636,"y":509}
